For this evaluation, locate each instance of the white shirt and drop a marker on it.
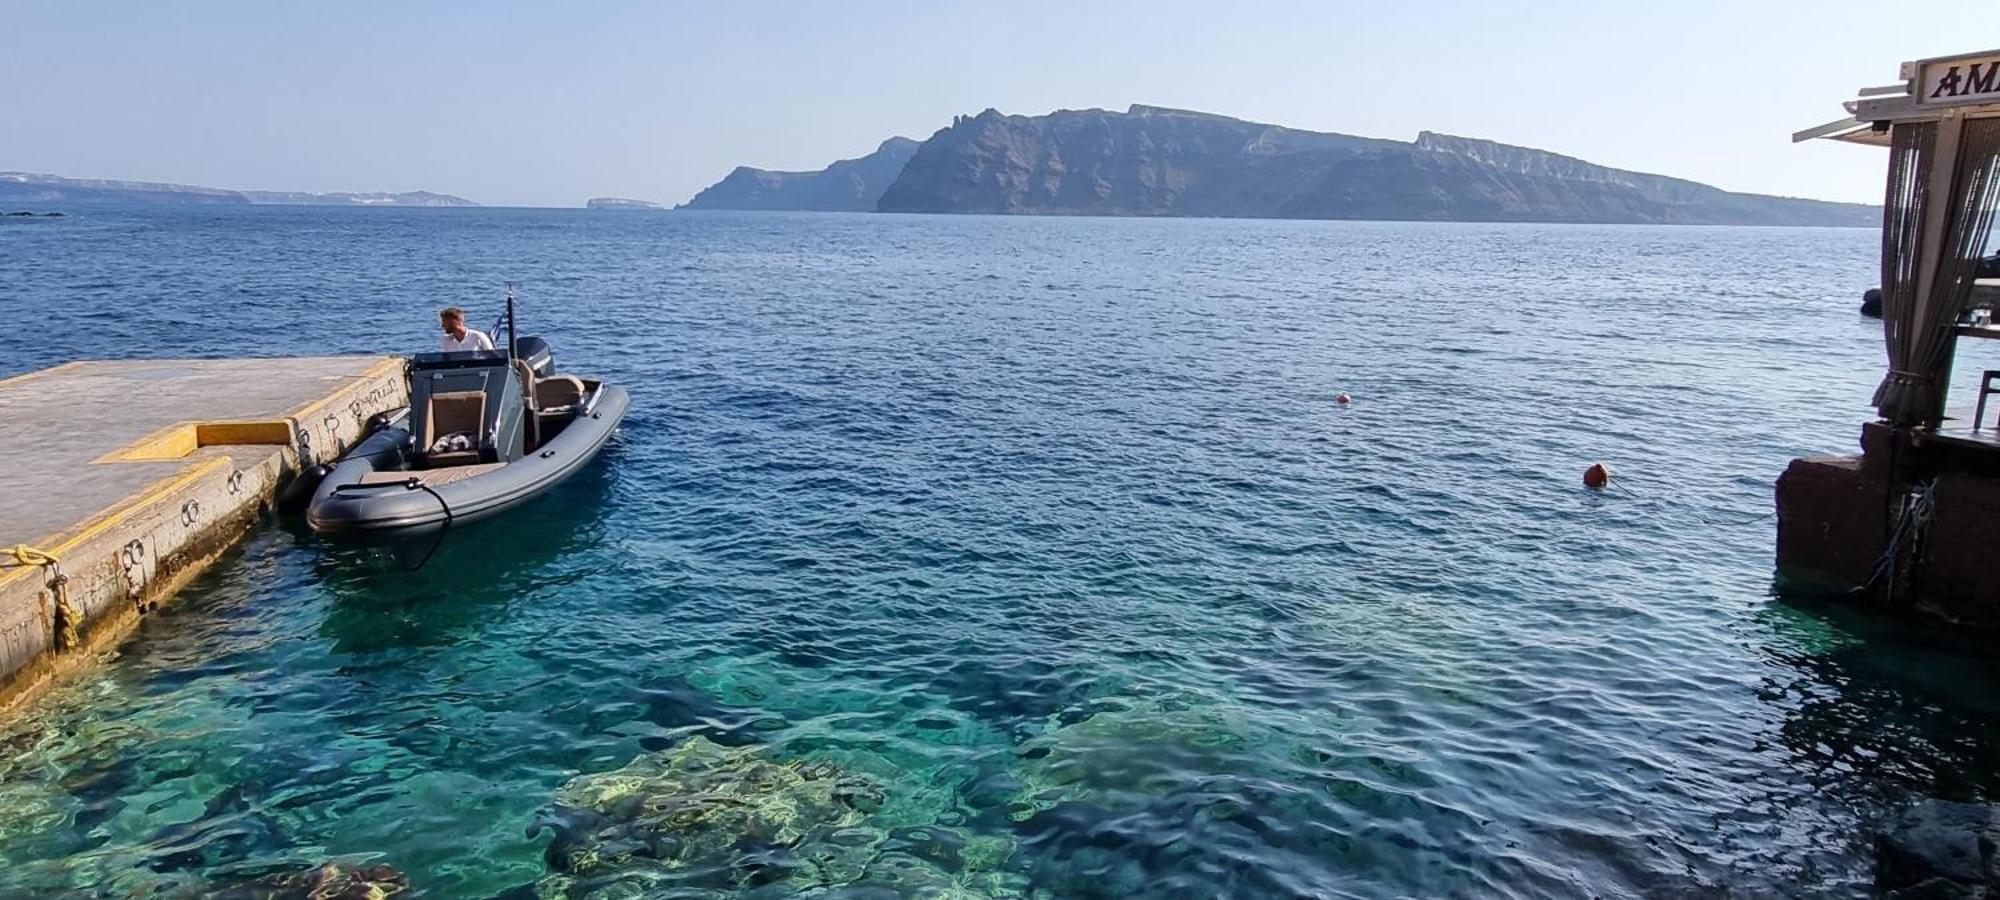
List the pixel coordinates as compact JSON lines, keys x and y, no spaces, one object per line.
{"x":474,"y":340}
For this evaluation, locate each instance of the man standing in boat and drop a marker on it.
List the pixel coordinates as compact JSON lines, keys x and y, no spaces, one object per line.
{"x":457,"y":336}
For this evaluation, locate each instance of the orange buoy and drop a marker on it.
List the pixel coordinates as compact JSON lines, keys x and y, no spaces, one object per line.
{"x":1341,"y":398}
{"x":1597,"y":476}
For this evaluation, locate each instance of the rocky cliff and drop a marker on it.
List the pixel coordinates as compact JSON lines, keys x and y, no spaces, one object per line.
{"x":850,"y":185}
{"x":1152,"y":161}
{"x":29,"y":186}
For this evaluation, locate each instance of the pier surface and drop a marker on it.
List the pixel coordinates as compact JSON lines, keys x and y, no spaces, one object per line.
{"x":133,"y":475}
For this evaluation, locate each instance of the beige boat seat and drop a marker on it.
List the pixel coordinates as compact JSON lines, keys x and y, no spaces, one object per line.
{"x":455,"y":412}
{"x":558,"y":393}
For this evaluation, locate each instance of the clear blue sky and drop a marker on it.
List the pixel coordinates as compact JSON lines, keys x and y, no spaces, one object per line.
{"x":551,"y":103}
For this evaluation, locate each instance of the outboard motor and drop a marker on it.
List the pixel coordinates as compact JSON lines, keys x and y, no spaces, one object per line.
{"x":536,"y":353}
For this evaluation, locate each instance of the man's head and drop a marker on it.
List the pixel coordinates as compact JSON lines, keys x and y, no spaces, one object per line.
{"x":453,"y":320}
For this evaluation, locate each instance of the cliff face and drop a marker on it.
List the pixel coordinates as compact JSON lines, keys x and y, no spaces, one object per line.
{"x":850,"y":185}
{"x":1150,"y":161}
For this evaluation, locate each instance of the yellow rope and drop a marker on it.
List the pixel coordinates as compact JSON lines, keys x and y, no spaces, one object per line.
{"x":66,"y":616}
{"x":25,"y":555}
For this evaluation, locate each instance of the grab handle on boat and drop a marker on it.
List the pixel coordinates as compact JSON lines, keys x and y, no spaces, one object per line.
{"x":408,"y":484}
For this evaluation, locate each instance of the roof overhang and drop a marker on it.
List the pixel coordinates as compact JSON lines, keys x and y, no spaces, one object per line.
{"x":1965,"y":84}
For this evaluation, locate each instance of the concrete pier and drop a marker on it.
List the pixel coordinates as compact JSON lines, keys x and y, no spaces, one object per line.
{"x":124,"y":479}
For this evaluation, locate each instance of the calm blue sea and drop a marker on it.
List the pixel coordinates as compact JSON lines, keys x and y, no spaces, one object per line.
{"x":1049,"y":532}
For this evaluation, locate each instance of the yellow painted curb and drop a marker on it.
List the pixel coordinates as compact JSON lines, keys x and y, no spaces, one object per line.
{"x":182,"y":438}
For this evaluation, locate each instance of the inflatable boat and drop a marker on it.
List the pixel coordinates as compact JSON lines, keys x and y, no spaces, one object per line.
{"x":485,"y":431}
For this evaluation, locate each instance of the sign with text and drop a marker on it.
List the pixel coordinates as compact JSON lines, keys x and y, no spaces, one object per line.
{"x":1959,"y":80}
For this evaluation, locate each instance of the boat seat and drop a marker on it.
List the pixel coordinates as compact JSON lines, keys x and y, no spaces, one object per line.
{"x":558,"y":393}
{"x":454,"y":412}
{"x":526,"y":373}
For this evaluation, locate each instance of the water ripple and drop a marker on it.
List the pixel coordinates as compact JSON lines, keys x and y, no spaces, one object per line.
{"x":1050,"y":531}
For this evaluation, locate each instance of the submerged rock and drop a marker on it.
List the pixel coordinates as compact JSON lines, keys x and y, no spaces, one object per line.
{"x":1941,"y":849}
{"x":326,"y":881}
{"x":1120,"y":756}
{"x":701,"y":817}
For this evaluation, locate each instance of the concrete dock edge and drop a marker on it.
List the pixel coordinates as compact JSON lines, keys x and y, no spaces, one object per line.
{"x":123,"y":561}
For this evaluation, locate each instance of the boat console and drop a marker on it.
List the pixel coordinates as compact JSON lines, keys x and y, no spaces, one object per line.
{"x":484,"y":406}
{"x":466,"y":407}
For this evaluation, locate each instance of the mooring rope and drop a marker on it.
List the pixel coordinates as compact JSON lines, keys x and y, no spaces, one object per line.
{"x":419,"y":485}
{"x":1912,"y":519}
{"x":66,"y":616}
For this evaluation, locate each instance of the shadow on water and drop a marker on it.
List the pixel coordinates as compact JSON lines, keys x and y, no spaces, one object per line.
{"x":1905,"y":704}
{"x":468,"y":576}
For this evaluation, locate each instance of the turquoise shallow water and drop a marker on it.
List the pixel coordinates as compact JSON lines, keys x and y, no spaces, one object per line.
{"x":1048,"y":534}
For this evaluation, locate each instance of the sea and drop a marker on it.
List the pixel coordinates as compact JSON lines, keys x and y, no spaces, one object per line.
{"x":1020,"y":556}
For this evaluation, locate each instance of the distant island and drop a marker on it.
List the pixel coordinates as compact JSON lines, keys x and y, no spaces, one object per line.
{"x":619,"y":203}
{"x":29,"y":187}
{"x":849,"y":185}
{"x":1155,"y":161}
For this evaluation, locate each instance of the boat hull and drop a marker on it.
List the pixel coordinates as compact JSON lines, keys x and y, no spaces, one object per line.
{"x":346,"y":504}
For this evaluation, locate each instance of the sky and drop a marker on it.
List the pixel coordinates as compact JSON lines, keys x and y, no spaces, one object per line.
{"x":548,"y":104}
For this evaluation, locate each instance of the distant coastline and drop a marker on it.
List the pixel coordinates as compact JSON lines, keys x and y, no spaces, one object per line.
{"x":25,"y":188}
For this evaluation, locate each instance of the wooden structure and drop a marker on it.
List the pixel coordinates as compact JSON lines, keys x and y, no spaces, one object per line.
{"x":1911,"y":518}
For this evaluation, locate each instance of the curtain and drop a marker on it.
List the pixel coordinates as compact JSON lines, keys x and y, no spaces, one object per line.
{"x":1919,"y":307}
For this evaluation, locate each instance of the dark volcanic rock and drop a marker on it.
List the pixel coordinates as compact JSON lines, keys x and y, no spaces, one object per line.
{"x":1941,"y":849}
{"x":1151,"y":161}
{"x":850,"y":185}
